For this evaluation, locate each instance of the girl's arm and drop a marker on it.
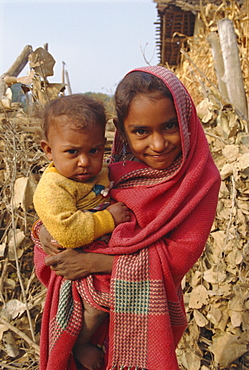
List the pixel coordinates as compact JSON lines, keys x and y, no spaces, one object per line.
{"x":73,"y":263}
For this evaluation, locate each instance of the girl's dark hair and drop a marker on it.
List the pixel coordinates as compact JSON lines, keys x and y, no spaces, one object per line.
{"x":83,"y":111}
{"x":137,"y":82}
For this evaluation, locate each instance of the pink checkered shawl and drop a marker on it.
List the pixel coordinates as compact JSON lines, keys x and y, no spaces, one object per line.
{"x":172,"y":214}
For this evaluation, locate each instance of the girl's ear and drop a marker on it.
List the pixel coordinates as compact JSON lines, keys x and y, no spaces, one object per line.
{"x":47,"y":149}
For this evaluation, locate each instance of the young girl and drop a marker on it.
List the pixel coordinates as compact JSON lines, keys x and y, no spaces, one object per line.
{"x":167,"y":177}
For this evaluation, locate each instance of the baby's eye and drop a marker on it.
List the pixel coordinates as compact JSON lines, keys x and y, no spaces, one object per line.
{"x":94,"y":151}
{"x":71,"y":151}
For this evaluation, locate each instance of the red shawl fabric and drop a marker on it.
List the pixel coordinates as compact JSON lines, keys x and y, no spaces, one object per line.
{"x":172,"y":214}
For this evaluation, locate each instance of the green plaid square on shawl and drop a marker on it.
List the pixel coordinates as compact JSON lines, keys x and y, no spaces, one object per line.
{"x":69,"y":315}
{"x":132,"y":296}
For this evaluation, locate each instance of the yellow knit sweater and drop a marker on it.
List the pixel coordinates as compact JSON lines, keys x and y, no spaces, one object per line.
{"x":61,"y":204}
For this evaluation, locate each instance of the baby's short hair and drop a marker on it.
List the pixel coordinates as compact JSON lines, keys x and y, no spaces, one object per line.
{"x":83,"y":111}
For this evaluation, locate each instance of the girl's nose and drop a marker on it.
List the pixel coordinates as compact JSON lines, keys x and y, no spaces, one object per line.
{"x":158,"y":143}
{"x":83,"y":160}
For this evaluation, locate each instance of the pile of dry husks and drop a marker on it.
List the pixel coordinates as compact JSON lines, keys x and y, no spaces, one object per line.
{"x":216,"y":289}
{"x":21,"y":294}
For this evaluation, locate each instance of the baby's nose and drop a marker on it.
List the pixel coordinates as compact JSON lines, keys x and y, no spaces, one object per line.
{"x":83,"y":160}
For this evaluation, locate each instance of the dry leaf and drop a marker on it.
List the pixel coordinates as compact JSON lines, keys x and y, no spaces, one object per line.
{"x":198,"y":297}
{"x":224,"y":192}
{"x":227,"y":347}
{"x":200,"y":319}
{"x":23,"y":193}
{"x":190,"y":359}
{"x":236,"y":303}
{"x":10,"y":345}
{"x":214,"y":276}
{"x":214,"y":315}
{"x":196,"y":278}
{"x":14,"y":243}
{"x":14,"y":308}
{"x":204,"y":110}
{"x":231,"y":152}
{"x":236,"y":318}
{"x":243,"y":162}
{"x":223,"y":123}
{"x":222,"y":324}
{"x":234,"y":257}
{"x":227,"y":170}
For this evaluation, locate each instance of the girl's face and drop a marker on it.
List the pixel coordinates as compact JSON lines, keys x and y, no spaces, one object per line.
{"x":77,"y":155}
{"x":152,"y":131}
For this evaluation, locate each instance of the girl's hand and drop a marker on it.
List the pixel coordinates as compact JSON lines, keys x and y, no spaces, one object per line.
{"x":75,"y":263}
{"x":49,"y":245}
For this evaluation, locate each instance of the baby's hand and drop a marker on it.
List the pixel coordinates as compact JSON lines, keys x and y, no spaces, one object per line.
{"x":49,"y":245}
{"x":119,"y":212}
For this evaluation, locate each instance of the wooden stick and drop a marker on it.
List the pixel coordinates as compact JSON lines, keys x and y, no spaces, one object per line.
{"x":30,"y":342}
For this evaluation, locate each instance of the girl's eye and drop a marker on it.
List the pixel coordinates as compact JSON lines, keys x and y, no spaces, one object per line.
{"x":171,"y":126}
{"x":140,"y":132}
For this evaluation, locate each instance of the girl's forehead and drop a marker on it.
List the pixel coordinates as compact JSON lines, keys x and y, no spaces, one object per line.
{"x":144,"y":100}
{"x":153,"y":113}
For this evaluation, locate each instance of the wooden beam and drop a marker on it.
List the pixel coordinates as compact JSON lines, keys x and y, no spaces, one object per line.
{"x":232,"y":68}
{"x":162,"y":37}
{"x":213,"y":39}
{"x":16,"y":68}
{"x":20,"y":62}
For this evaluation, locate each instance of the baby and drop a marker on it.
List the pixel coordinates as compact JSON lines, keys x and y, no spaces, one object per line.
{"x":71,"y":196}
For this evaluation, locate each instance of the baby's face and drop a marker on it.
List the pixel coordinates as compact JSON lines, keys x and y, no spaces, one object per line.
{"x":77,"y":155}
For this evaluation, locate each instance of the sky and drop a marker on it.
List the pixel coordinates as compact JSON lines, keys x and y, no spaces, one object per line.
{"x":99,"y":41}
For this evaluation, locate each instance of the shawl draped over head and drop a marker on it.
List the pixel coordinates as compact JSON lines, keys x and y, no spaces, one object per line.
{"x":172,"y":214}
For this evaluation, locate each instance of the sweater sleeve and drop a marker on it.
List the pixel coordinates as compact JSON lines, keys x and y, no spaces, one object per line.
{"x":72,"y":228}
